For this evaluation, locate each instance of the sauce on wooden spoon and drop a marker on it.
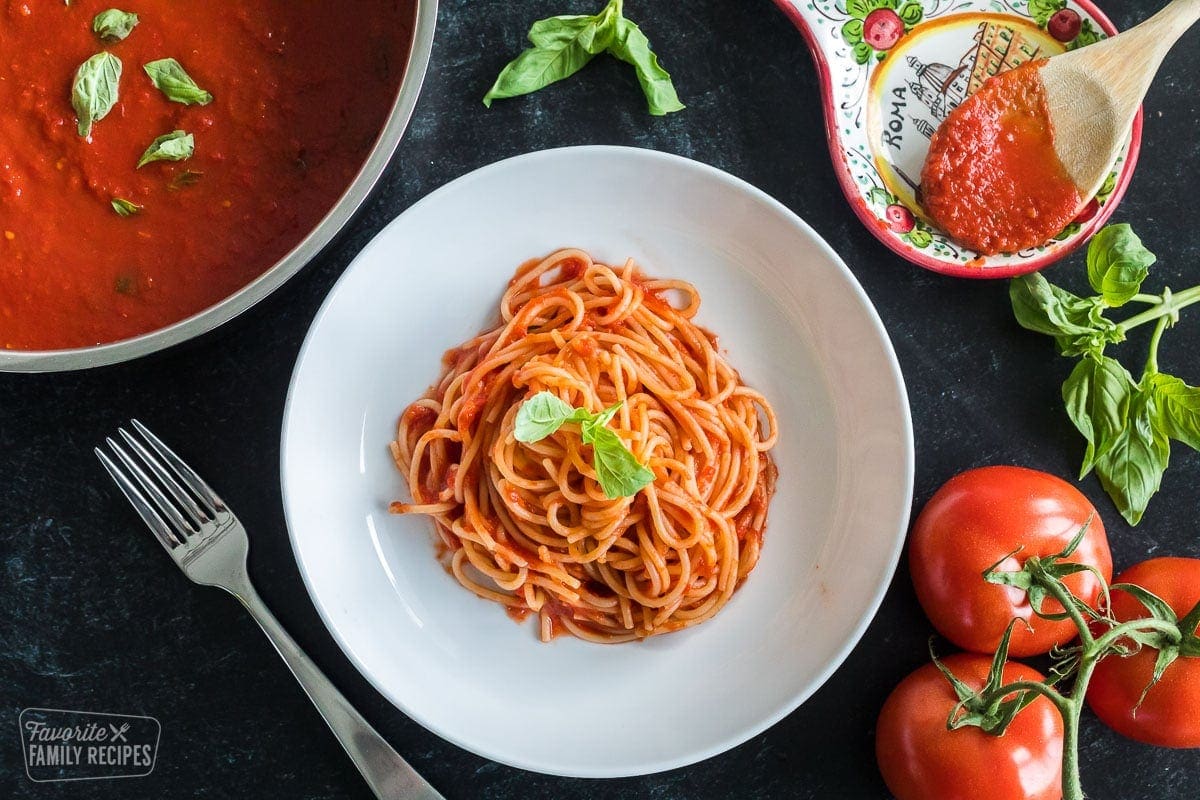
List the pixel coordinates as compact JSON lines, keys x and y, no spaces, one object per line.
{"x":993,"y":180}
{"x":1017,"y":161}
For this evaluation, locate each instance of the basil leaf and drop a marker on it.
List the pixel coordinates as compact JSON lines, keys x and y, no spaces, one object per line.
{"x":1117,"y":263}
{"x":126,"y":208}
{"x":618,"y":470}
{"x":114,"y":24}
{"x":1076,"y":323}
{"x":605,"y":416}
{"x":631,"y":46}
{"x":189,"y":177}
{"x":173,"y":146}
{"x":1097,"y":399}
{"x":170,"y":78}
{"x":562,"y":46}
{"x":540,"y":416}
{"x":1131,"y":471}
{"x":1178,"y":408}
{"x":556,"y":30}
{"x":95,"y":90}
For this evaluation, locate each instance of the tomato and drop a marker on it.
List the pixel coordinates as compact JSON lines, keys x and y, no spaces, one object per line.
{"x":975,"y":520}
{"x":921,"y":760}
{"x":1170,"y":714}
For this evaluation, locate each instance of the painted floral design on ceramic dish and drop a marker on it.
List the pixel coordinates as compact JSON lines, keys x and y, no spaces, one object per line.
{"x":891,"y":70}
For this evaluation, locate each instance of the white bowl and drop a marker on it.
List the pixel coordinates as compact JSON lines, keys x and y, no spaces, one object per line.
{"x":793,"y":320}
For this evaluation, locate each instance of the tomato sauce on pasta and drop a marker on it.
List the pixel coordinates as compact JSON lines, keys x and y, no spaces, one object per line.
{"x":527,"y":525}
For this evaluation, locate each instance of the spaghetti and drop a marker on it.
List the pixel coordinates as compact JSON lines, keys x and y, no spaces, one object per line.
{"x":527,"y":525}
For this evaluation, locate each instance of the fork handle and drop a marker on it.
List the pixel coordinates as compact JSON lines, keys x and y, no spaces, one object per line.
{"x":389,"y":776}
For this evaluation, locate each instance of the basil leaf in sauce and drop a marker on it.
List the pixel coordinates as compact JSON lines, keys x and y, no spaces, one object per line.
{"x":114,"y":24}
{"x":173,"y":146}
{"x":94,"y":92}
{"x":126,"y":208}
{"x":189,"y":177}
{"x":170,"y":78}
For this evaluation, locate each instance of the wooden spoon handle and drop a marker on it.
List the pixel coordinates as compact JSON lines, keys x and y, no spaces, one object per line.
{"x":1143,"y":47}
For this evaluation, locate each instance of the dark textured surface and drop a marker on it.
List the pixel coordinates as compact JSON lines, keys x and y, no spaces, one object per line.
{"x":93,"y":616}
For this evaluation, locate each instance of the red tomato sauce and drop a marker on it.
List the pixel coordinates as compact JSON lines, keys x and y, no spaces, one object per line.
{"x":301,"y":92}
{"x":992,"y":179}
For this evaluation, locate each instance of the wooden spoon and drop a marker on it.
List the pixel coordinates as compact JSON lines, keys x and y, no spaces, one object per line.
{"x":1093,"y":93}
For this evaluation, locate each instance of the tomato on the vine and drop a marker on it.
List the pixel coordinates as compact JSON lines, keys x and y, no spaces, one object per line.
{"x":1169,"y":715}
{"x":920,"y":759}
{"x":982,"y":516}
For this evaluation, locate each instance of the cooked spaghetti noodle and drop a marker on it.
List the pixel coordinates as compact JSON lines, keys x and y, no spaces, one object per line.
{"x":528,"y":525}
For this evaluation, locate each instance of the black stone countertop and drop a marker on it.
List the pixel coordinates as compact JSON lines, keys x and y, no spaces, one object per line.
{"x":92,"y":616}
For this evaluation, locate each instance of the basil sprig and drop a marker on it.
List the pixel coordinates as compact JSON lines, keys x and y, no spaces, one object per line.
{"x":618,"y":470}
{"x":114,"y":24}
{"x":1128,"y":424}
{"x":563,"y":45}
{"x":170,"y":78}
{"x":95,"y":89}
{"x":173,"y":146}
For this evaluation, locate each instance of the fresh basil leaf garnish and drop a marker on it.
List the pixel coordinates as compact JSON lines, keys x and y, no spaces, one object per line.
{"x":114,"y":24}
{"x":170,"y":78}
{"x":95,"y":89}
{"x":173,"y":146}
{"x":540,"y":416}
{"x":617,"y":469}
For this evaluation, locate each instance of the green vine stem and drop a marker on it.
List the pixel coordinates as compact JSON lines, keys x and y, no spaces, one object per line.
{"x":1071,"y":706}
{"x":1045,"y":573}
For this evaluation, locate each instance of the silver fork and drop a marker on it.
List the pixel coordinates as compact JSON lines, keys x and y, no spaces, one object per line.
{"x":208,"y":543}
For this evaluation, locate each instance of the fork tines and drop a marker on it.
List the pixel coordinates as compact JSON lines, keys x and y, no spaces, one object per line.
{"x":175,"y":503}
